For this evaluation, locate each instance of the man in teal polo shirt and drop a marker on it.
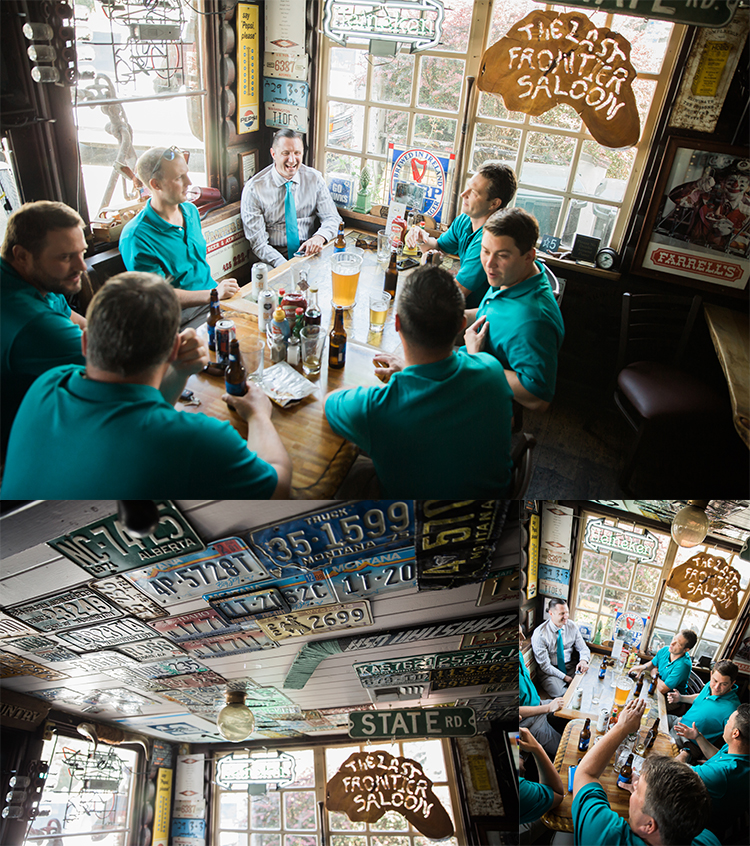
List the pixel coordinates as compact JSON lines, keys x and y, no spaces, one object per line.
{"x":414,"y":428}
{"x":110,"y":431}
{"x":672,"y":662}
{"x":536,"y":798}
{"x":518,"y":321}
{"x":41,"y":263}
{"x":491,"y":188}
{"x":726,"y":772}
{"x":536,"y":713}
{"x":166,"y":238}
{"x":668,"y":804}
{"x":709,"y":710}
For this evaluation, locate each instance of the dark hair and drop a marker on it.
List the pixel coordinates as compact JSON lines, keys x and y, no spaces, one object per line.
{"x":517,"y":224}
{"x":502,"y":181}
{"x":742,"y":722}
{"x":556,"y":601}
{"x":726,"y":668}
{"x":286,"y":133}
{"x":676,"y":798}
{"x":28,"y":226}
{"x":131,"y":323}
{"x":690,"y":636}
{"x":431,"y":308}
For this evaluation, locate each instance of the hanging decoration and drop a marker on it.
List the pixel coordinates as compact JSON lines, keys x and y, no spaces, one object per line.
{"x":708,"y":576}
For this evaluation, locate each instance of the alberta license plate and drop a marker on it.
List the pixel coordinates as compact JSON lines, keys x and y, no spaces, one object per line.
{"x":307,"y":621}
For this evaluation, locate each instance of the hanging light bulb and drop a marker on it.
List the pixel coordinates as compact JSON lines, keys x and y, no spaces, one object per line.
{"x":235,"y":721}
{"x":690,"y":524}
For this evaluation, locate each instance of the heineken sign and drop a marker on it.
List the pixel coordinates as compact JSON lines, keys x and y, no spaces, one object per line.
{"x":711,"y":13}
{"x":412,"y":722}
{"x":603,"y":537}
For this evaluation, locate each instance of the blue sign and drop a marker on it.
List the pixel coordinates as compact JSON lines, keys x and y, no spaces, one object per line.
{"x":429,"y":170}
{"x":188,"y":828}
{"x":341,"y":188}
{"x":289,"y":92}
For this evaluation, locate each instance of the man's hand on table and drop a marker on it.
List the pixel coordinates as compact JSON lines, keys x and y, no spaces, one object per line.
{"x":583,"y":667}
{"x":475,"y":335}
{"x":313,"y":246}
{"x":555,"y":704}
{"x":253,"y":404}
{"x":386,"y":364}
{"x":690,"y":732}
{"x":227,"y":288}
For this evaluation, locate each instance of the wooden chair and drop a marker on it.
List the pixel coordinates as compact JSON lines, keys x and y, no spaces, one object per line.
{"x":522,"y":466}
{"x":695,"y":683}
{"x":652,"y":388}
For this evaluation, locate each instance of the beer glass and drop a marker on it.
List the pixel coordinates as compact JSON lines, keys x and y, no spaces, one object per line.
{"x":624,"y":686}
{"x":384,"y":245}
{"x":379,"y":305}
{"x":345,"y":268}
{"x":252,"y":353}
{"x":312,"y":339}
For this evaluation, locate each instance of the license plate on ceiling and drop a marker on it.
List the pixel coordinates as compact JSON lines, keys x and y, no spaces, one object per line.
{"x":124,"y":594}
{"x":10,"y":627}
{"x":313,"y":621}
{"x":148,"y":651}
{"x":239,"y":606}
{"x":225,"y":564}
{"x":126,"y":630}
{"x":363,"y":579}
{"x":13,"y":665}
{"x":203,"y":623}
{"x":234,"y":643}
{"x":66,"y":610}
{"x":336,"y":535}
{"x":105,"y":547}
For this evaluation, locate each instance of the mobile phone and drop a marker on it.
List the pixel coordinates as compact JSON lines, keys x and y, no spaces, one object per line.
{"x":186,"y":396}
{"x":300,"y":252}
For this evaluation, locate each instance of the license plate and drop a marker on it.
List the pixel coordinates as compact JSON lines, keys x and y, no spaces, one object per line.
{"x":417,"y":664}
{"x":189,"y":680}
{"x":344,"y":534}
{"x":172,"y":667}
{"x":204,"y":623}
{"x":124,"y":594}
{"x":105,"y":547}
{"x":148,"y":651}
{"x":126,"y":630}
{"x":13,"y":665}
{"x":390,"y":572}
{"x":306,"y":591}
{"x":48,"y":651}
{"x":210,"y":697}
{"x":228,"y":644}
{"x":394,"y":681}
{"x":225,"y":564}
{"x":239,"y":606}
{"x":68,"y":610}
{"x":290,"y":93}
{"x":316,"y":621}
{"x":10,"y":627}
{"x":102,"y":662}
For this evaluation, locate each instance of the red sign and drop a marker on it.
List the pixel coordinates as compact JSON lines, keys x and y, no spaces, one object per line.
{"x":727,"y":271}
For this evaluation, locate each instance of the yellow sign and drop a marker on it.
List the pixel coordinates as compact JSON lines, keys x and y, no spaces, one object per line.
{"x":710,"y":68}
{"x":533,"y":565}
{"x":162,"y":805}
{"x":248,"y":65}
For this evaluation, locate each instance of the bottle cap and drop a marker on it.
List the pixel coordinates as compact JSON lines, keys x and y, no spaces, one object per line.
{"x":279,"y":313}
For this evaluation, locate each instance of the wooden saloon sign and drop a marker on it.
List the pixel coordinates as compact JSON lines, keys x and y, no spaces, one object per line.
{"x":550,"y":58}
{"x":370,"y":783}
{"x":708,"y":576}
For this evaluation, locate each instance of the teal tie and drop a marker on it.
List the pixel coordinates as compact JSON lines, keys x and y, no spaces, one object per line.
{"x":560,"y":652}
{"x":290,"y":215}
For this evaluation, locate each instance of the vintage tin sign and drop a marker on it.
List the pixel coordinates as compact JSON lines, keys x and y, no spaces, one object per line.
{"x":317,"y":621}
{"x":239,"y":606}
{"x":10,"y":627}
{"x":106,"y":547}
{"x":413,"y":722}
{"x":347,"y":533}
{"x":121,"y":592}
{"x":368,"y":577}
{"x":228,"y":644}
{"x":13,"y":665}
{"x":225,"y":564}
{"x":148,"y":651}
{"x":125,"y":630}
{"x":67,"y":610}
{"x":288,"y":92}
{"x":208,"y":678}
{"x":199,"y":624}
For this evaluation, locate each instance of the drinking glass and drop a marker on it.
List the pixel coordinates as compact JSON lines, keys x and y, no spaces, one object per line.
{"x":252,"y":354}
{"x":624,"y":686}
{"x":384,"y":245}
{"x":345,"y":269}
{"x":379,"y":305}
{"x":312,"y":339}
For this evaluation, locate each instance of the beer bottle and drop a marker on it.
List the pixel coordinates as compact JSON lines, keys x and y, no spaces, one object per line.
{"x":626,"y":773}
{"x":339,"y":245}
{"x":603,"y":669}
{"x":214,"y":315}
{"x":391,"y":276}
{"x":652,"y":686}
{"x":313,"y":313}
{"x":337,"y":341}
{"x":235,"y":376}
{"x":651,"y":735}
{"x":585,"y":736}
{"x":638,"y":687}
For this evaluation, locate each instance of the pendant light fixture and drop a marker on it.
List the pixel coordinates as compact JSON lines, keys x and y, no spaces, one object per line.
{"x":235,"y":721}
{"x":690,"y":524}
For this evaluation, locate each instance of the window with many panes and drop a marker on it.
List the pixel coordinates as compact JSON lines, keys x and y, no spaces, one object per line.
{"x":291,"y":815}
{"x":566,"y":179}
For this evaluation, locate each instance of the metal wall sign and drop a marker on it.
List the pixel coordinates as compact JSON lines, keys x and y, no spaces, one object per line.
{"x":125,"y":630}
{"x":10,"y":627}
{"x":418,"y":23}
{"x":306,"y":621}
{"x":290,"y":93}
{"x":349,"y":532}
{"x":13,"y":665}
{"x":482,"y":656}
{"x":412,"y":722}
{"x":153,"y":649}
{"x":712,"y":13}
{"x":236,"y":771}
{"x":603,"y":537}
{"x":198,"y":624}
{"x":105,"y":547}
{"x":121,"y":592}
{"x":21,"y":712}
{"x":238,"y":606}
{"x":67,"y":610}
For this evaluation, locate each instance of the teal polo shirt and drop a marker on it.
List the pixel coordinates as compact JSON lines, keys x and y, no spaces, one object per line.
{"x":526,"y":332}
{"x":462,"y":241}
{"x":416,"y":428}
{"x":528,"y":693}
{"x":36,"y":333}
{"x":534,"y":799}
{"x":76,"y":438}
{"x":178,"y":253}
{"x":727,"y":779}
{"x":674,"y":674}
{"x":595,"y":822}
{"x":710,"y":713}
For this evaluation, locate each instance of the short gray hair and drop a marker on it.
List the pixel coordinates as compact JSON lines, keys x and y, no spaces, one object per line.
{"x":676,"y":798}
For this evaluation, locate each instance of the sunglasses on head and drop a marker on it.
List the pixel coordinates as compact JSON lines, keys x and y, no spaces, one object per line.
{"x":169,"y":155}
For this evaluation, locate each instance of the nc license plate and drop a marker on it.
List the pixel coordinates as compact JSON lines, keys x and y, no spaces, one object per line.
{"x":307,"y":621}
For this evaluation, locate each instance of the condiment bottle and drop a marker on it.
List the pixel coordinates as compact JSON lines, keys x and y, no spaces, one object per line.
{"x":313,"y":313}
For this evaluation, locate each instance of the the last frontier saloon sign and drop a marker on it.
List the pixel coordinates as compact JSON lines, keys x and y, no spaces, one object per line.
{"x":604,"y":537}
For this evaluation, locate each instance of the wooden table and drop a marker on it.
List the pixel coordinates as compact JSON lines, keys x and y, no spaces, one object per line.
{"x":731,"y":336}
{"x":561,"y":817}
{"x":320,"y":458}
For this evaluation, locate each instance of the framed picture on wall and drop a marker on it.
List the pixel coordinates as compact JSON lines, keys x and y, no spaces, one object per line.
{"x":697,"y":228}
{"x":248,"y":165}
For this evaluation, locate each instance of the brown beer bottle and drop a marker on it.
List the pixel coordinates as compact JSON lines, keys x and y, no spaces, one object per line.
{"x":214,"y":315}
{"x":651,"y":735}
{"x":585,"y":736}
{"x":626,"y":773}
{"x":337,"y":341}
{"x":638,"y":687}
{"x":339,"y":244}
{"x":235,"y":376}
{"x":652,"y":686}
{"x":391,"y":276}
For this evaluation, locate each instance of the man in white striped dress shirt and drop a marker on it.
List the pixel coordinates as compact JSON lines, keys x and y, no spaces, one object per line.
{"x":265,"y":203}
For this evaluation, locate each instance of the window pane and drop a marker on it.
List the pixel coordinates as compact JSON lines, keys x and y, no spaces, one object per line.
{"x":304,"y":768}
{"x":378,"y":191}
{"x":233,"y":810}
{"x":595,"y":219}
{"x":614,"y":600}
{"x":346,"y":165}
{"x":717,"y":628}
{"x":299,"y":810}
{"x":646,"y":579}
{"x":440,"y":82}
{"x":428,"y":753}
{"x":356,"y":840}
{"x":584,"y":618}
{"x":232,"y":838}
{"x":669,"y":616}
{"x":705,"y":649}
{"x":659,"y":638}
{"x":504,"y":15}
{"x":593,"y":565}
{"x":391,"y":80}
{"x":435,"y":132}
{"x":648,"y":40}
{"x":562,"y":116}
{"x":391,"y":821}
{"x":644,"y":97}
{"x":300,"y":840}
{"x":335,"y":757}
{"x":544,"y":207}
{"x":603,"y":173}
{"x":547,"y":160}
{"x":498,"y":143}
{"x":348,"y":76}
{"x":456,"y":25}
{"x":265,"y":811}
{"x":265,"y":840}
{"x":694,"y":620}
{"x":345,"y":122}
{"x":640,"y":604}
{"x":619,"y":573}
{"x":589,"y":596}
{"x":493,"y":106}
{"x":340,"y":822}
{"x":386,"y":126}
{"x":386,"y":840}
